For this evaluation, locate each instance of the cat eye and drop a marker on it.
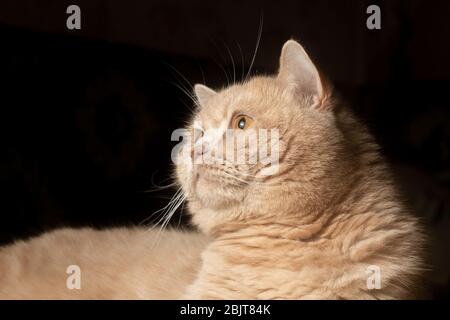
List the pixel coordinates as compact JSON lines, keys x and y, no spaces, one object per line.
{"x":241,"y":122}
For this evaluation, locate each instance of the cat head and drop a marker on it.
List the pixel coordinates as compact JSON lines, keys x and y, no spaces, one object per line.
{"x":295,"y":110}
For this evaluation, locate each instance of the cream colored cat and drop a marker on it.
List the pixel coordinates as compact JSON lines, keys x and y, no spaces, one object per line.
{"x":316,"y":229}
{"x":120,"y":263}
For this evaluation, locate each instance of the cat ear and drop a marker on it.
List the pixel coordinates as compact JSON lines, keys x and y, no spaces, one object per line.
{"x":297,"y":72}
{"x":203,"y":94}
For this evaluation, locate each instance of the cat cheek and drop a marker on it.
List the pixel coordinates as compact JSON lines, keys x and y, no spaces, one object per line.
{"x":184,"y":171}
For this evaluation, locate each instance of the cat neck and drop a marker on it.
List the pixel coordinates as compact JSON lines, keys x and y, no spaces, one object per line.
{"x":282,"y":228}
{"x":367,"y":193}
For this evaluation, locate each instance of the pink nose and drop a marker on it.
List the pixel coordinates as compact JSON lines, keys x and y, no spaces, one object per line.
{"x":198,"y":150}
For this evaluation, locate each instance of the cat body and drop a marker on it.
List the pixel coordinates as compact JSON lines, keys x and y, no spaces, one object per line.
{"x":118,"y":263}
{"x":333,"y":253}
{"x":328,"y":223}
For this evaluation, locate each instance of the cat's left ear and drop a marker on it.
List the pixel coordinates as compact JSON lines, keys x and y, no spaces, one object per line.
{"x":203,"y":93}
{"x":298,"y":73}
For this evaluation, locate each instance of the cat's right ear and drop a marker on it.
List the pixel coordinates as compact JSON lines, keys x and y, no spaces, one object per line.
{"x":203,"y":93}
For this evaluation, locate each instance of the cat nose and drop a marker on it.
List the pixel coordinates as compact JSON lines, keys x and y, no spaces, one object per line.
{"x":198,"y":150}
{"x":195,"y":153}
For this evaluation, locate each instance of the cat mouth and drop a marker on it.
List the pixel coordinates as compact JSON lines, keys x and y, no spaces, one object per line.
{"x":217,"y":177}
{"x":209,"y":176}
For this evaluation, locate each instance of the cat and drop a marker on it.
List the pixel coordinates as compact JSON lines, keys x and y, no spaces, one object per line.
{"x":328,"y":223}
{"x":117,"y":263}
{"x":320,"y":226}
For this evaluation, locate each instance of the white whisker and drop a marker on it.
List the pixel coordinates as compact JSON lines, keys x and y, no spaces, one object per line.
{"x":261,"y":22}
{"x":168,"y":211}
{"x":242,"y":62}
{"x":232,"y":61}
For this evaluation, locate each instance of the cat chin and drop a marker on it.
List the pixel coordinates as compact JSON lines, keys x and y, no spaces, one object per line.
{"x":215,"y":195}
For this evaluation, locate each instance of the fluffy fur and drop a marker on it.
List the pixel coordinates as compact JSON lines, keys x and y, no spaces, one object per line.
{"x":121,"y":263}
{"x":310,"y":231}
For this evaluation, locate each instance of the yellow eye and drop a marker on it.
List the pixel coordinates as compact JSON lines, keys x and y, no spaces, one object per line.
{"x":241,"y":122}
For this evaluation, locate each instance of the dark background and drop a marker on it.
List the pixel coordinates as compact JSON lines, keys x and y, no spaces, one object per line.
{"x":86,"y":115}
